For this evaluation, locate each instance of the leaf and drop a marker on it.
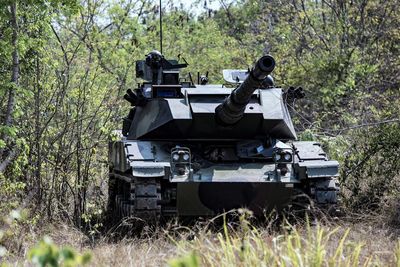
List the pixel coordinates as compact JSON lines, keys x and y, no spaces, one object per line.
{"x":10,"y":131}
{"x":2,"y":144}
{"x":190,"y":260}
{"x":85,"y":258}
{"x":3,"y":251}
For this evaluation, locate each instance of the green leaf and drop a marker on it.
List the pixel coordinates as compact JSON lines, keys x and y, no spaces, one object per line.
{"x":2,"y":143}
{"x":190,"y":260}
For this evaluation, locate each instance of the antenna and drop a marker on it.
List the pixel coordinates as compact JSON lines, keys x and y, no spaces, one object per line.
{"x":160,"y":28}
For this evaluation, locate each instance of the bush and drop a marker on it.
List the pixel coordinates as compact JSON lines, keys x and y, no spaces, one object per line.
{"x":47,"y":254}
{"x":371,"y":167}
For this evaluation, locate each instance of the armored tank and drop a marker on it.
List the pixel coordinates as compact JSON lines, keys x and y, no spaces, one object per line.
{"x":195,"y":149}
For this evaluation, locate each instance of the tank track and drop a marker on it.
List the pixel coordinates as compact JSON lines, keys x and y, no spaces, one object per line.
{"x":325,"y":193}
{"x":317,"y":195}
{"x":140,"y":198}
{"x":134,"y":197}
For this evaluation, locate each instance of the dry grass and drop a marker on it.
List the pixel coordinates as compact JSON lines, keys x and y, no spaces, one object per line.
{"x":342,"y":244}
{"x":238,"y":243}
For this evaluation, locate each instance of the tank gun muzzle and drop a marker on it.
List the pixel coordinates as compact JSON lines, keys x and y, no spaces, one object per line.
{"x":232,"y":109}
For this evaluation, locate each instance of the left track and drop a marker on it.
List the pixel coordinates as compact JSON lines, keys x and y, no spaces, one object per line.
{"x":134,"y":197}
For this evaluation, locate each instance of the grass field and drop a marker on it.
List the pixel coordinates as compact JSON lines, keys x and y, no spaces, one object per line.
{"x":361,"y":241}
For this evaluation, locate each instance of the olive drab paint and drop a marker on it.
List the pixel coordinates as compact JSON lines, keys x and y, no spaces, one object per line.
{"x":194,"y":149}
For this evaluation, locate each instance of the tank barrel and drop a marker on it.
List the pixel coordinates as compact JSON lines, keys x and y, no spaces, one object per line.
{"x":232,"y":109}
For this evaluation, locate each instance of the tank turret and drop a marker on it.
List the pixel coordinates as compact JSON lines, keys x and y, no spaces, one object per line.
{"x":232,"y":109}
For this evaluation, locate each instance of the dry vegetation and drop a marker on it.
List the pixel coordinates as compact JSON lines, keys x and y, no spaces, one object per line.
{"x":363,"y":242}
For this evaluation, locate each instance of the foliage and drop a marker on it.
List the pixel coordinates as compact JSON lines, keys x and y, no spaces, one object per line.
{"x":190,"y":260}
{"x":372,"y":167}
{"x":47,"y":254}
{"x":93,"y":218}
{"x":12,"y":230}
{"x":345,"y":54}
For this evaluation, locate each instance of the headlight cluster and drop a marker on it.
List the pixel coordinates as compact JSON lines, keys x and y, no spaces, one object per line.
{"x":283,"y":156}
{"x":180,"y":161}
{"x":179,"y":155}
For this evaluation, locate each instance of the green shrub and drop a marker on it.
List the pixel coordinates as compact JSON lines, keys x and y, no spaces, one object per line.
{"x":371,"y":167}
{"x":45,"y":253}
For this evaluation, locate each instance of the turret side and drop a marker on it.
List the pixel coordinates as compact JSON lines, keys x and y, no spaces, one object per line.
{"x":167,"y":107}
{"x":193,"y":117}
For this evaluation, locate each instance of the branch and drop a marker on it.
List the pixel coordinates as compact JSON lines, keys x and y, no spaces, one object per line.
{"x":11,"y":156}
{"x":367,"y":125}
{"x":61,"y":44}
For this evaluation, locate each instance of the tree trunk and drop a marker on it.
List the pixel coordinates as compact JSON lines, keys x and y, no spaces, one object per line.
{"x":11,"y":156}
{"x":38,"y":162}
{"x":8,"y":120}
{"x":15,"y":66}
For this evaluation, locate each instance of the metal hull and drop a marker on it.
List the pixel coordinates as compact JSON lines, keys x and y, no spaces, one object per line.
{"x":147,"y":186}
{"x":211,"y":198}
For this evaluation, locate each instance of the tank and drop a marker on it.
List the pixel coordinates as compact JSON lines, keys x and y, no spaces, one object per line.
{"x":197,"y":149}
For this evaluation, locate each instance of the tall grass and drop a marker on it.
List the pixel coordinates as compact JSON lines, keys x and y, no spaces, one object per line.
{"x":234,"y":242}
{"x":304,"y":245}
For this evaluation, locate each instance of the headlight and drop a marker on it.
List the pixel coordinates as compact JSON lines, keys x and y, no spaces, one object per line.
{"x":180,"y":163}
{"x":175,"y":157}
{"x":282,"y":156}
{"x":288,"y":157}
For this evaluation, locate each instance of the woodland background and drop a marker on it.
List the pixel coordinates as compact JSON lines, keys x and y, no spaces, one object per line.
{"x":65,"y":65}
